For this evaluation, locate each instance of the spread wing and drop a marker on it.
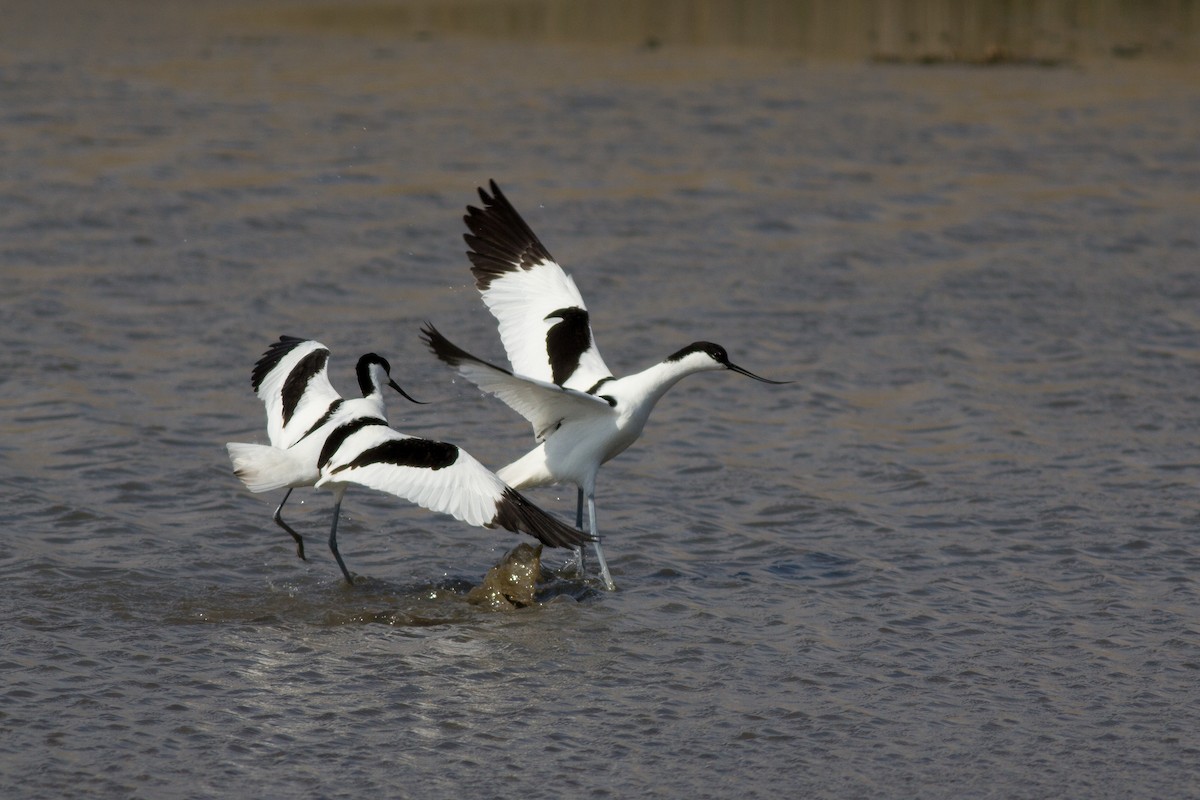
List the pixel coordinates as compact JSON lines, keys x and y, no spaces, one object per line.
{"x":442,"y":477}
{"x":545,"y":405}
{"x":543,"y":321}
{"x":292,"y":380}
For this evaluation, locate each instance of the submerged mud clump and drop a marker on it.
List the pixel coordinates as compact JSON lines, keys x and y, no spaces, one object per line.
{"x":512,"y":583}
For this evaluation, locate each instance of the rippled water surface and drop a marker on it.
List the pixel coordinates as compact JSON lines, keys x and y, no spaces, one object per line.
{"x":957,"y":558}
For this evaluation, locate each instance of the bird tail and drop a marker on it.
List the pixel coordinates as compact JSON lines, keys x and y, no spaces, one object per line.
{"x":263,"y":468}
{"x":516,"y":513}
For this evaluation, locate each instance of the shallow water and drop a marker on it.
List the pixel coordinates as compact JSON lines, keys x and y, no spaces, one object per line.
{"x":957,"y":558}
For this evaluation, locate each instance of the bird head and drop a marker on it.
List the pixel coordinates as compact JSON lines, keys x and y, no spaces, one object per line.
{"x":711,"y":356}
{"x":374,"y":372}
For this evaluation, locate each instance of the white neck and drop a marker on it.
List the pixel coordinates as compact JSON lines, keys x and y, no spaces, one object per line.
{"x":652,"y":383}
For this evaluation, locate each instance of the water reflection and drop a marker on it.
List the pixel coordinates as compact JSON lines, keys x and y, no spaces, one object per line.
{"x":929,"y":31}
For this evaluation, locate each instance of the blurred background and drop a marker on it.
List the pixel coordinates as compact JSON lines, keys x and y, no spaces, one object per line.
{"x":956,"y":558}
{"x":924,"y":31}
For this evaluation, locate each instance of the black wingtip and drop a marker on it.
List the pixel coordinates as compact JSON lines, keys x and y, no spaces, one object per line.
{"x":271,"y":358}
{"x":450,"y":353}
{"x":496,"y":193}
{"x":516,"y":513}
{"x":442,"y":347}
{"x":500,"y":239}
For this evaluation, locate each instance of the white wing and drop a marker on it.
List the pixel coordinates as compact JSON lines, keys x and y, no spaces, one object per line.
{"x":441,"y":477}
{"x":543,"y":321}
{"x":545,"y":405}
{"x":292,"y":380}
{"x":438,"y":476}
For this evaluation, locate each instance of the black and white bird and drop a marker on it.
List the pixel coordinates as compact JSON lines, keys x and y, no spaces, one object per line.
{"x":318,"y":438}
{"x":582,"y":416}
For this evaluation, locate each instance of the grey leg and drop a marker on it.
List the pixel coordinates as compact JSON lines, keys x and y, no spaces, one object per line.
{"x":578,"y":564}
{"x":279,"y":521}
{"x":604,"y":574}
{"x":337,"y":507}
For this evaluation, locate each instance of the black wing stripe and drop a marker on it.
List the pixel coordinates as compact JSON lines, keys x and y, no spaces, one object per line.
{"x":297,"y":381}
{"x":566,"y":341}
{"x":338,"y":436}
{"x":271,"y":359}
{"x":419,"y":453}
{"x":596,"y":386}
{"x":328,"y":415}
